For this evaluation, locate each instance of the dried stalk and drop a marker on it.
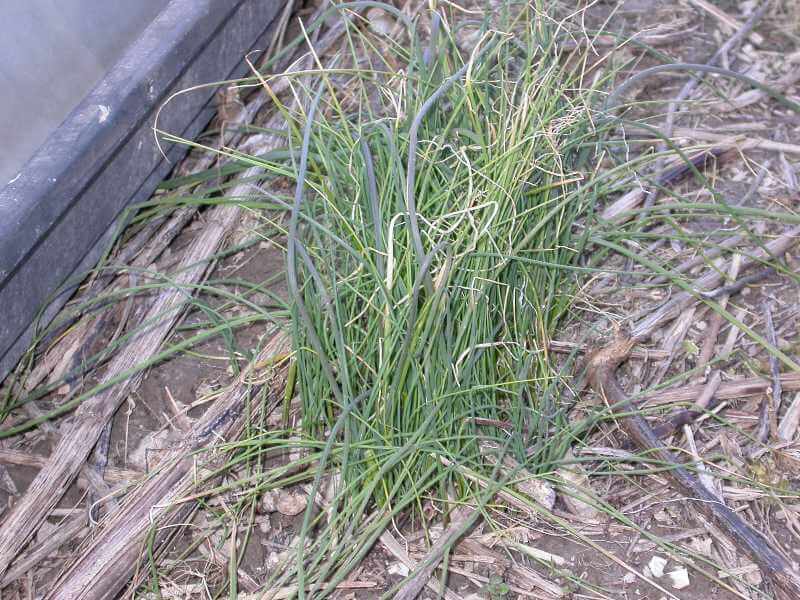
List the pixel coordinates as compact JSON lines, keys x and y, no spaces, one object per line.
{"x":684,"y":417}
{"x":91,"y":417}
{"x":602,"y":375}
{"x":107,"y":565}
{"x":715,"y":322}
{"x":112,"y":475}
{"x":774,"y":367}
{"x":749,"y":97}
{"x":726,"y":19}
{"x":738,"y":142}
{"x":394,"y":547}
{"x":734,"y":390}
{"x":461,"y":519}
{"x":684,"y":94}
{"x":723,"y":50}
{"x":791,"y":419}
{"x":563,"y":347}
{"x":680,"y":301}
{"x":67,"y":532}
{"x":618,"y":211}
{"x":601,"y":370}
{"x":696,"y":261}
{"x":111,"y":560}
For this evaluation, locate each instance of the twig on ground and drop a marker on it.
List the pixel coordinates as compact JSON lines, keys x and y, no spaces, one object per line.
{"x":766,"y":404}
{"x":601,"y":370}
{"x":756,"y":185}
{"x":89,"y":476}
{"x":715,"y":322}
{"x":684,"y":417}
{"x":26,"y":459}
{"x":396,"y":549}
{"x":672,"y":342}
{"x":106,"y":566}
{"x":700,"y":259}
{"x":750,"y":97}
{"x":680,"y":301}
{"x":739,"y":284}
{"x":651,"y":194}
{"x":711,"y":484}
{"x":736,"y":141}
{"x":732,"y":390}
{"x":602,"y":374}
{"x":69,"y":531}
{"x":461,"y":519}
{"x":694,"y":81}
{"x":733,"y":333}
{"x":523,"y":580}
{"x":92,"y":415}
{"x":563,"y":347}
{"x":726,"y":19}
{"x":618,"y":211}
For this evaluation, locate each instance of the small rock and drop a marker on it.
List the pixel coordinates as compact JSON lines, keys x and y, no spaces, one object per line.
{"x":679,"y":578}
{"x":398,"y":569}
{"x":291,"y":503}
{"x":628,"y":578}
{"x":539,"y":490}
{"x":379,"y":21}
{"x":656,"y":566}
{"x":269,"y":501}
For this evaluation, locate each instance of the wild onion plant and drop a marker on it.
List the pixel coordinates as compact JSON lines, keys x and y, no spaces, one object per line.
{"x":430,"y":245}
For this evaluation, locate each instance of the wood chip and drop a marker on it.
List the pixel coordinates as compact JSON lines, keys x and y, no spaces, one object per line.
{"x":790,"y":421}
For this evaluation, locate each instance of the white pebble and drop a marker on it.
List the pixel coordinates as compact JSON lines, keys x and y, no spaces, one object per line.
{"x":656,"y":566}
{"x":679,"y":578}
{"x":398,"y":569}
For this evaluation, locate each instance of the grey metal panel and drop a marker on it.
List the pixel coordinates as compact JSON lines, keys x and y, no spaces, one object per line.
{"x":54,"y":52}
{"x":103,"y":157}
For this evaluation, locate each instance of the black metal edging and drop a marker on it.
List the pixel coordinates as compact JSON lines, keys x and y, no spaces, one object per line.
{"x":58,"y":213}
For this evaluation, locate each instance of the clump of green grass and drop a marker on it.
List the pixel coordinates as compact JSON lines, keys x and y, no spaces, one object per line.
{"x":429,"y":251}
